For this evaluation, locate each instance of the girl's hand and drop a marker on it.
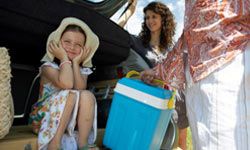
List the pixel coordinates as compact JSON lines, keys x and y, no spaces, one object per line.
{"x":82,"y":56}
{"x":147,"y":76}
{"x":58,"y":51}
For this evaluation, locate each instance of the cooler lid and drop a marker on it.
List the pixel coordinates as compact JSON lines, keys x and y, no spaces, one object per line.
{"x":138,"y":90}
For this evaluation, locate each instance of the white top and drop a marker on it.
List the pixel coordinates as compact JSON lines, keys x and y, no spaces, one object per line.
{"x":84,"y":71}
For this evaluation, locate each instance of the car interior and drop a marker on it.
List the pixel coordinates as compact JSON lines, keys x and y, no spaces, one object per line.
{"x":25,"y":26}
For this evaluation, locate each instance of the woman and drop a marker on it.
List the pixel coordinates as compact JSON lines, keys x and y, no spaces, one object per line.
{"x":158,"y":29}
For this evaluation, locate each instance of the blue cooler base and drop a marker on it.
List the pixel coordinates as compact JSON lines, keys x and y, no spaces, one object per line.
{"x":135,"y":126}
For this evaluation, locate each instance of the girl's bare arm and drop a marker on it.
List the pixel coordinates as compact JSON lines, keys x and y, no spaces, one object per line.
{"x":80,"y":81}
{"x":62,"y":78}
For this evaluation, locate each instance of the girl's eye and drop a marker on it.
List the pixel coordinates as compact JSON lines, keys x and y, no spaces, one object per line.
{"x":70,"y":44}
{"x":67,"y":42}
{"x":79,"y":46}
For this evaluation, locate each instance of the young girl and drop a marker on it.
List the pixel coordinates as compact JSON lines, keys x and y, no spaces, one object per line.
{"x":64,"y":100}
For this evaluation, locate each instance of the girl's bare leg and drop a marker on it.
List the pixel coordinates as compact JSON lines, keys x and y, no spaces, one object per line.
{"x":85,"y":116}
{"x":55,"y":142}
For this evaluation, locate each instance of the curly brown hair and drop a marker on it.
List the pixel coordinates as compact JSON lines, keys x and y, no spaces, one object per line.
{"x":168,"y":26}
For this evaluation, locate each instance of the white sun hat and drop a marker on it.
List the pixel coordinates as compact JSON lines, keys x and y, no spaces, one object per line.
{"x":92,"y":40}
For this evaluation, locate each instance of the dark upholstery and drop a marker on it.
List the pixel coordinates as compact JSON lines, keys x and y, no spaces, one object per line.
{"x":24,"y":89}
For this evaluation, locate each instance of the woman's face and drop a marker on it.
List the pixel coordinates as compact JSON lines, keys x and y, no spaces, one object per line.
{"x":153,"y":21}
{"x":73,"y":43}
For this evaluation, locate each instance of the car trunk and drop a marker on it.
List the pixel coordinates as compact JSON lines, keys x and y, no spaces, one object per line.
{"x":25,"y":26}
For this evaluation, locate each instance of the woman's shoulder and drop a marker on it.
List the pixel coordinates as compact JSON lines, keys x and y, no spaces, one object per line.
{"x":135,"y":38}
{"x":136,"y":42}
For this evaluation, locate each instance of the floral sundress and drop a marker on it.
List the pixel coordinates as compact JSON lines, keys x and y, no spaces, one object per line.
{"x":47,"y":111}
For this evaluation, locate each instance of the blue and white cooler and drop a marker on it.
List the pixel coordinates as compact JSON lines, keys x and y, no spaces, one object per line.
{"x":138,"y":117}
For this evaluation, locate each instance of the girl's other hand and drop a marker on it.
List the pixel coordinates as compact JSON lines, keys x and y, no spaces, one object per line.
{"x":147,"y":76}
{"x":82,"y":56}
{"x":58,"y":51}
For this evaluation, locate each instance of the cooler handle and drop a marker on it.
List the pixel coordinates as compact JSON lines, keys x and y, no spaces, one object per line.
{"x":133,"y":72}
{"x":159,"y":82}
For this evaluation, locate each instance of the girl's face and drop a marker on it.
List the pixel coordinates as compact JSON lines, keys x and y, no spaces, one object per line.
{"x":73,"y":43}
{"x":153,"y":21}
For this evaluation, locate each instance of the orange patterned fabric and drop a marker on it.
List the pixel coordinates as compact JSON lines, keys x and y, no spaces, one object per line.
{"x":215,"y":32}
